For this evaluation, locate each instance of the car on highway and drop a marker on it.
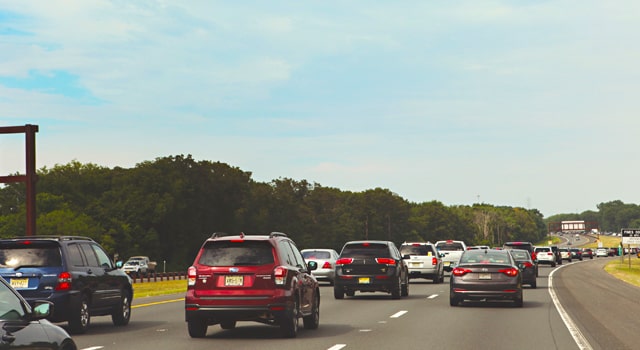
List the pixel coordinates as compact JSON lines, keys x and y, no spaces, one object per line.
{"x":74,"y":273}
{"x":565,"y":254}
{"x":326,"y":260}
{"x":527,"y":267}
{"x":423,"y":261}
{"x":371,"y":266}
{"x":488,"y":274}
{"x":576,"y":253}
{"x":545,"y":256}
{"x":452,"y":251}
{"x":23,"y":326}
{"x":260,"y":278}
{"x":602,"y":253}
{"x":528,"y":246}
{"x":587,"y":253}
{"x":556,"y":251}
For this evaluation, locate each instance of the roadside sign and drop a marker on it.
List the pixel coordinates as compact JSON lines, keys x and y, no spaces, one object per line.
{"x":630,"y":236}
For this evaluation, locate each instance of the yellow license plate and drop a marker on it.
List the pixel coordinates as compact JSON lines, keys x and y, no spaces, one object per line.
{"x":233,"y":281}
{"x":19,"y":282}
{"x":364,"y":280}
{"x":447,"y":263}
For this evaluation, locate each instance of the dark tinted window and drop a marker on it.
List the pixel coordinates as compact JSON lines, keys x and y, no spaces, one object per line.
{"x":75,"y":257}
{"x":366,"y":250}
{"x":542,"y":249}
{"x":92,"y":259}
{"x":225,"y":253}
{"x":316,"y":255}
{"x":36,"y":254}
{"x":520,"y":254}
{"x":418,"y":249}
{"x":452,"y":246}
{"x":103,"y":258}
{"x":518,"y":245}
{"x":485,"y":256}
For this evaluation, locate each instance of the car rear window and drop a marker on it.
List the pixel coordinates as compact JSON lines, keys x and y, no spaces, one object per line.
{"x":35,"y":254}
{"x":520,"y":254}
{"x":453,"y":246}
{"x":366,"y":250}
{"x":543,"y":249}
{"x":484,"y":256}
{"x":245,"y":253}
{"x":316,"y":255}
{"x":518,"y":245}
{"x":419,"y":249}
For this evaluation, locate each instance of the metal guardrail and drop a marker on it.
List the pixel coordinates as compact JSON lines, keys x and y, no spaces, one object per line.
{"x":160,"y":276}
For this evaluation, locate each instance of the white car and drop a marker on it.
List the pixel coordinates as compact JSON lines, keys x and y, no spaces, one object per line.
{"x":452,"y":251}
{"x":326,"y":260}
{"x":423,"y":261}
{"x":602,"y":253}
{"x":545,"y":255}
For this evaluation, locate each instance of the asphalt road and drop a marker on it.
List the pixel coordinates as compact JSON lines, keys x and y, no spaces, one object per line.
{"x":602,"y":307}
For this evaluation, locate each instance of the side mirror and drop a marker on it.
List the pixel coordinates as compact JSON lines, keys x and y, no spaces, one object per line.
{"x":408,"y":256}
{"x":119,"y":263}
{"x":441,"y":255}
{"x":42,"y":309}
{"x":312,"y":265}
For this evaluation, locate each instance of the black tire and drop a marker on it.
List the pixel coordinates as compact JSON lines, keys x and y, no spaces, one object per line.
{"x":197,"y":328}
{"x":228,"y":324}
{"x":80,"y":317}
{"x":534,"y":284}
{"x":518,"y":302}
{"x":396,"y":290}
{"x":553,"y":264}
{"x":289,"y":323}
{"x":404,"y":289}
{"x":338,"y":292}
{"x":454,"y":301}
{"x":122,"y":312}
{"x":312,"y":321}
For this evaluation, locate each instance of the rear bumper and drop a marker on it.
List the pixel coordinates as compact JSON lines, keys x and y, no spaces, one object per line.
{"x":367,"y":283}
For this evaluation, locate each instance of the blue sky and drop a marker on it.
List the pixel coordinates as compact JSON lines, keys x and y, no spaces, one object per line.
{"x":518,"y":103}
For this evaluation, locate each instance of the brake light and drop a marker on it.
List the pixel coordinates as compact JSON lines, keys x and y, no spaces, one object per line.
{"x":459,"y":271}
{"x":527,"y":264}
{"x":279,"y":275}
{"x":191,"y":276}
{"x":386,"y":261}
{"x":434,"y":261}
{"x":64,"y":281}
{"x":326,"y":265}
{"x":511,"y":272}
{"x":344,"y":261}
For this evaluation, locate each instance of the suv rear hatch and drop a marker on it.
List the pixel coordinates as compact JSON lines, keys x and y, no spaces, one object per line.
{"x":367,"y":259}
{"x":32,"y":267}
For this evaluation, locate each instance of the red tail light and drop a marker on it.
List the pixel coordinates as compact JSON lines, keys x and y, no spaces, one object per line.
{"x":326,"y":265}
{"x":386,"y":261}
{"x":527,"y":264}
{"x":511,"y":272}
{"x":191,"y":276}
{"x":434,"y":261}
{"x":64,"y":281}
{"x":344,"y":261}
{"x":280,"y":275}
{"x":459,"y":271}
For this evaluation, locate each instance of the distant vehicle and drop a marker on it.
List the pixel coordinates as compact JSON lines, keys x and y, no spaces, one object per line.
{"x":423,"y":261}
{"x":546,"y":256}
{"x":151,"y":265}
{"x":587,"y":253}
{"x":486,"y":275}
{"x":452,"y":251}
{"x":136,"y":268}
{"x":576,"y":253}
{"x":527,"y":267}
{"x":478,"y":247}
{"x":602,"y":253}
{"x":565,"y":253}
{"x":528,"y":246}
{"x":326,"y":260}
{"x":371,"y":266}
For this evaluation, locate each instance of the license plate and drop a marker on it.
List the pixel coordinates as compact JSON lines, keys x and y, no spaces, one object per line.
{"x":364,"y":280}
{"x":19,"y":282}
{"x":233,"y":281}
{"x":447,"y":263}
{"x":416,"y":264}
{"x":484,"y":276}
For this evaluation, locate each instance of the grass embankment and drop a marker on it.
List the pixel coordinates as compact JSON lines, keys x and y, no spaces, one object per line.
{"x":148,"y":289}
{"x":545,"y":242}
{"x":621,"y":270}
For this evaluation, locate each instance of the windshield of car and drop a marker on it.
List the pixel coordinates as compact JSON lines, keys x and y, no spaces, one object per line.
{"x":366,"y":250}
{"x":31,"y":255}
{"x":484,"y":257}
{"x":419,"y":249}
{"x":247,"y":253}
{"x":450,"y":246}
{"x":543,"y":249}
{"x":316,"y":255}
{"x":10,"y":307}
{"x":520,"y":254}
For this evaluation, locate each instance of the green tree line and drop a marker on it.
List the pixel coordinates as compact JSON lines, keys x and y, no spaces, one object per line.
{"x":166,"y":208}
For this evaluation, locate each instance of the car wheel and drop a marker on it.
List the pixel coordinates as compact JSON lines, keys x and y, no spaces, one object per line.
{"x":453,"y":300}
{"x":338,"y":292}
{"x":553,"y":264}
{"x":80,"y":317}
{"x":228,"y":324}
{"x":197,"y":328}
{"x":289,"y":323}
{"x":313,"y":320}
{"x":405,"y":289}
{"x":397,"y":289}
{"x":534,"y":284}
{"x":518,"y":302}
{"x":122,"y":312}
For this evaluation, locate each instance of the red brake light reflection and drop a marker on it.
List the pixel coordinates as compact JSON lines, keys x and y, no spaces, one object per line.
{"x":459,"y":271}
{"x":387,"y":261}
{"x":512,"y":271}
{"x":326,"y":265}
{"x":344,"y":261}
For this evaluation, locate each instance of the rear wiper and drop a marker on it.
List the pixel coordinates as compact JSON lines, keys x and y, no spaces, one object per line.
{"x":21,"y":266}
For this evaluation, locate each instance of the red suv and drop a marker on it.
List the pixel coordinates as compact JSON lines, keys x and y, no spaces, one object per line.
{"x":261,"y":278}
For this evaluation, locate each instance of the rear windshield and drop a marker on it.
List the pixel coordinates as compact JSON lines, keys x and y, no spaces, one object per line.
{"x":366,"y":250}
{"x":20,"y":255}
{"x":453,"y":246}
{"x":485,"y":256}
{"x":245,"y":253}
{"x":518,"y":245}
{"x":316,"y":255}
{"x":419,"y":249}
{"x":520,"y":254}
{"x":543,"y":249}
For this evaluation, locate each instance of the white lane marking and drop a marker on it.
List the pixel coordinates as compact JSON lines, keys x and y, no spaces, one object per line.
{"x":432,"y":296}
{"x":337,"y":347}
{"x":365,"y":330}
{"x":93,"y":348}
{"x":578,"y":337}
{"x":398,"y":314}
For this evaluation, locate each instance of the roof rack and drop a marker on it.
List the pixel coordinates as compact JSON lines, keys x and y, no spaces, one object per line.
{"x":58,"y":238}
{"x":218,"y":234}
{"x":278,"y":234}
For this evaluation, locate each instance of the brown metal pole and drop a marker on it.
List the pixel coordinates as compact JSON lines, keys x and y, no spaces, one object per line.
{"x":30,"y":131}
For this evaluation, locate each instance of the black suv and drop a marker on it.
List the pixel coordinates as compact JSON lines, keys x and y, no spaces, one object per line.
{"x":74,"y":273}
{"x":371,"y":266}
{"x":261,"y":278}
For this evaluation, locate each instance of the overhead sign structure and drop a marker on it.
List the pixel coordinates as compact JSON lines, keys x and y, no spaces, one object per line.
{"x":630,"y":235}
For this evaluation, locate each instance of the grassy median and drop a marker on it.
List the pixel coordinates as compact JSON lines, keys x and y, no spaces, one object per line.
{"x":148,"y":289}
